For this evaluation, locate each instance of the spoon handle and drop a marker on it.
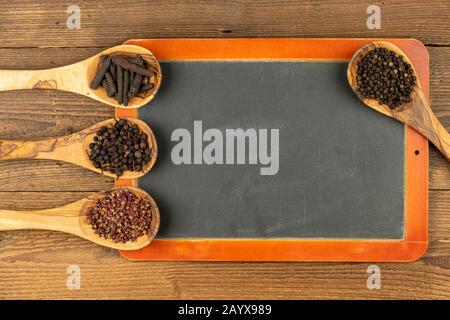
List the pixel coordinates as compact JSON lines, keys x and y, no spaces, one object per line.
{"x":62,"y":148}
{"x":65,"y":218}
{"x":67,"y":78}
{"x":420,"y":116}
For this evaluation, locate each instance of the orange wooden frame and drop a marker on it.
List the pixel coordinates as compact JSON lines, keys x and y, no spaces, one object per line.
{"x":415,"y":241}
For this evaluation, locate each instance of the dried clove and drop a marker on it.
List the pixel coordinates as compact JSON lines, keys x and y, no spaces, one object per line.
{"x":112,"y":70}
{"x":111,"y":84}
{"x":126,"y":75}
{"x":135,"y":85}
{"x":105,"y":62}
{"x":136,"y":59}
{"x":119,"y":84}
{"x":107,"y":88}
{"x":128,"y":65}
{"x":126,"y":85}
{"x":131,"y":79}
{"x":146,"y":87}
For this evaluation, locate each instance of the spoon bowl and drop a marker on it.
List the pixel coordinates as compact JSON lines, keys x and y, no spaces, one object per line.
{"x":353,"y":68}
{"x":74,"y":148}
{"x":136,"y":102}
{"x":89,"y":138}
{"x":88,"y":232}
{"x":78,"y":76}
{"x":72,"y":218}
{"x":417,"y":114}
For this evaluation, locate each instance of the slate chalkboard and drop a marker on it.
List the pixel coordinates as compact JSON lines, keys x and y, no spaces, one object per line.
{"x":341,"y":165}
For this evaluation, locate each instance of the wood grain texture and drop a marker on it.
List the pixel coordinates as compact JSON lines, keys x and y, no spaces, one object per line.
{"x":33,"y":264}
{"x":48,"y":175}
{"x":111,"y":22}
{"x":440,"y":103}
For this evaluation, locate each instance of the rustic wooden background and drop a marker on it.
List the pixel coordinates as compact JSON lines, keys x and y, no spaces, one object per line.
{"x":34,"y":35}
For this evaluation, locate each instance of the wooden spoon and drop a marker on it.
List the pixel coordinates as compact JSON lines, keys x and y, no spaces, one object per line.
{"x":417,"y":114}
{"x":78,"y":76}
{"x":71,"y":218}
{"x":74,"y":148}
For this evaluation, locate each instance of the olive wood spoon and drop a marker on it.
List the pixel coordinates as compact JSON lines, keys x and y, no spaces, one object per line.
{"x":417,"y":114}
{"x":74,"y":148}
{"x":71,"y":218}
{"x":77,"y":78}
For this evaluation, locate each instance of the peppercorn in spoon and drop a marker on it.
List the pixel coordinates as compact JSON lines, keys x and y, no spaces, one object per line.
{"x":384,"y":78}
{"x":125,"y":218}
{"x":81,"y":77}
{"x":114,"y":147}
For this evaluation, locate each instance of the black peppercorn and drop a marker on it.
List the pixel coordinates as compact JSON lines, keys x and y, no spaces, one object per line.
{"x":384,"y":76}
{"x":120,"y":148}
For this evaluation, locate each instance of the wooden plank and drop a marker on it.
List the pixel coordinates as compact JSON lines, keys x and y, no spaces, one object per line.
{"x":440,"y":82}
{"x":439,"y":228}
{"x":33,"y":265}
{"x":440,"y":103}
{"x":23,"y":200}
{"x":439,"y":172}
{"x":37,"y":114}
{"x":106,"y":23}
{"x":439,"y":99}
{"x":42,"y":58}
{"x":46,"y":175}
{"x":41,"y":279}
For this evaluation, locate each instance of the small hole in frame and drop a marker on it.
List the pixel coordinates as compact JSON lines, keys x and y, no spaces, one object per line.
{"x":416,"y":152}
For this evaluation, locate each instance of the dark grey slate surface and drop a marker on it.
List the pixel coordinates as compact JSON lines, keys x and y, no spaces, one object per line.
{"x":341,"y":172}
